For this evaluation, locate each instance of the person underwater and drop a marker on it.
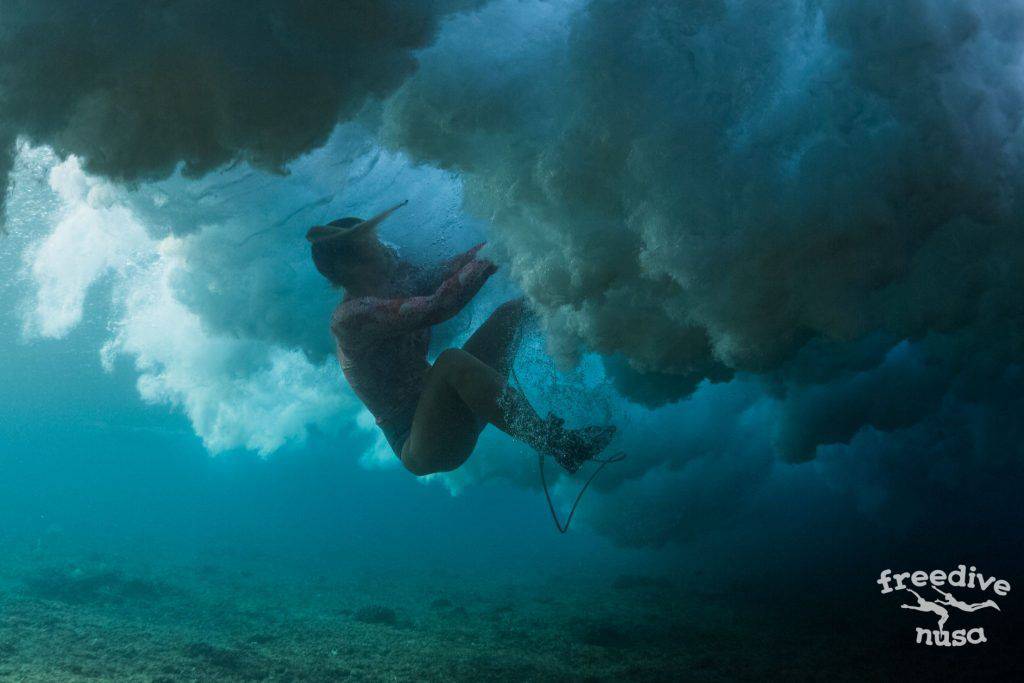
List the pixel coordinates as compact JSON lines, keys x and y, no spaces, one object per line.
{"x":431,"y":414}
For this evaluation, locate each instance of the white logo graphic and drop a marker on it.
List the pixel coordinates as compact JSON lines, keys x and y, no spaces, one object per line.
{"x":960,"y":577}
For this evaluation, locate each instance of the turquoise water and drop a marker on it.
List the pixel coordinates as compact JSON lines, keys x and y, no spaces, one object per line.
{"x":188,"y":491}
{"x":130,"y":554}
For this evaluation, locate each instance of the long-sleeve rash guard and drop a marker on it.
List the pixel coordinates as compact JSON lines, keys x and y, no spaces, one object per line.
{"x":382,"y":343}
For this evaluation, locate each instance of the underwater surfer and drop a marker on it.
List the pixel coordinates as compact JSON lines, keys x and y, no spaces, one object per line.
{"x":431,"y":415}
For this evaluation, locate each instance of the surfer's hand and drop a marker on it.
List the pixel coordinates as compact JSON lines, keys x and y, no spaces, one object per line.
{"x":453,"y":265}
{"x":476,"y":272}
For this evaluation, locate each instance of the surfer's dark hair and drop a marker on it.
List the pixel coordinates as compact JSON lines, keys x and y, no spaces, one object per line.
{"x":332,"y":256}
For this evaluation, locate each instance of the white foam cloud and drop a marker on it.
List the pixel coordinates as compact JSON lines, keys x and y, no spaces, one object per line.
{"x":94,"y":236}
{"x":238,"y":392}
{"x":702,"y":206}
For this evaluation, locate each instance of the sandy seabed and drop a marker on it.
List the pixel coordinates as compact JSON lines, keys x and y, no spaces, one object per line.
{"x":102,"y":618}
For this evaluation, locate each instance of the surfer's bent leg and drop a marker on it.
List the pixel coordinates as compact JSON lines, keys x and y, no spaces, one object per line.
{"x":462,"y":394}
{"x":444,"y":429}
{"x":467,"y":389}
{"x":493,"y":343}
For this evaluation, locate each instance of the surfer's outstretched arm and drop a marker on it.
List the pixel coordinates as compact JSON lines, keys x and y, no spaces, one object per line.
{"x":403,"y":315}
{"x":436,"y":276}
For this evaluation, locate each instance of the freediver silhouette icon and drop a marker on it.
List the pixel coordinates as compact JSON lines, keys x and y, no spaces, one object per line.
{"x":964,"y":606}
{"x":928,"y":606}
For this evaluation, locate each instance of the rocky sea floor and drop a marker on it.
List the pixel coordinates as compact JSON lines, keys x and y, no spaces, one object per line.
{"x":102,"y":618}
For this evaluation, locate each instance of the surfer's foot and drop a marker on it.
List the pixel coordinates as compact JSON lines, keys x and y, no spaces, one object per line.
{"x":572,"y":447}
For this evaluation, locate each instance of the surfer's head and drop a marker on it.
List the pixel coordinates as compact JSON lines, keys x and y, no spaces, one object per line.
{"x":349,"y":254}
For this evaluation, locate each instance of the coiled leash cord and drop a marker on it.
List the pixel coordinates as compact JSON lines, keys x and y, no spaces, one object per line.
{"x":562,"y":528}
{"x":618,"y":457}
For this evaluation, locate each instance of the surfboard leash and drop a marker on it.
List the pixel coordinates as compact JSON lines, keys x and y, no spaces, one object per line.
{"x":562,"y":528}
